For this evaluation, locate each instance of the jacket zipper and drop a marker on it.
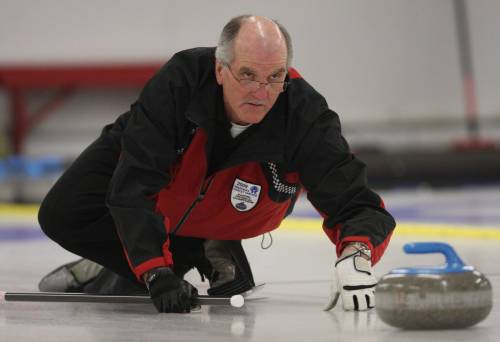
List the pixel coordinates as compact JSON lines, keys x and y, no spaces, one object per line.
{"x":203,"y":190}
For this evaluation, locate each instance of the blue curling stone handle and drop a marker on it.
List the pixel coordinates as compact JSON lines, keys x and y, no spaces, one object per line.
{"x":453,"y":263}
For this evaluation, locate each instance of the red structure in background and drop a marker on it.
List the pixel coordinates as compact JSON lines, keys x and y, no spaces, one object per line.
{"x":18,"y":80}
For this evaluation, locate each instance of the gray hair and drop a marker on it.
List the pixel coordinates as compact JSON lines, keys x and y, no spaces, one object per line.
{"x":225,"y":48}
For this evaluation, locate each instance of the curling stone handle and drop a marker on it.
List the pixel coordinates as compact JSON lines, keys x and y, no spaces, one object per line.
{"x":453,"y":261}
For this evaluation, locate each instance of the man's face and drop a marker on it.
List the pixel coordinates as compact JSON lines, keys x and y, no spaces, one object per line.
{"x":245,"y":102}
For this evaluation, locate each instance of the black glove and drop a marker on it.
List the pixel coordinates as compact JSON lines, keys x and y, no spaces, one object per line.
{"x":168,"y":292}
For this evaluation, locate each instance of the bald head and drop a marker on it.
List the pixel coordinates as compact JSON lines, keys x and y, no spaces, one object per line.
{"x":260,"y":36}
{"x":251,"y":34}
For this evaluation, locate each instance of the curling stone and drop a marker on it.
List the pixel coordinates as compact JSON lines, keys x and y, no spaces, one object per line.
{"x":448,"y":296}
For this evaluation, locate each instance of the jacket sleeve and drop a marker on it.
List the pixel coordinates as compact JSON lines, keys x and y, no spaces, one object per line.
{"x":147,"y":152}
{"x":337,"y":187}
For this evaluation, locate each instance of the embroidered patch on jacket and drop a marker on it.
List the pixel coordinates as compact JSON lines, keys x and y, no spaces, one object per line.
{"x":244,"y":195}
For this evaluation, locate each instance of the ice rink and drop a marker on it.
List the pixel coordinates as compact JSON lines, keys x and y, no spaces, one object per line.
{"x":296,"y":270}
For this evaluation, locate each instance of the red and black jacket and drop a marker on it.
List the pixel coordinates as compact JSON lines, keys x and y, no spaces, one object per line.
{"x":163,"y":183}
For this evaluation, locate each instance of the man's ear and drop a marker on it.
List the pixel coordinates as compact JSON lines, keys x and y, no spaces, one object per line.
{"x":218,"y":71}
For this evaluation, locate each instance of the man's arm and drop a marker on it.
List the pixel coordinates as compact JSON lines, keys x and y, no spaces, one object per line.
{"x":337,"y":187}
{"x":148,"y":152}
{"x":355,"y":219}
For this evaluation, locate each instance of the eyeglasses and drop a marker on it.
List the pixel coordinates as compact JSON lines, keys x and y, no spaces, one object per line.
{"x":253,"y":85}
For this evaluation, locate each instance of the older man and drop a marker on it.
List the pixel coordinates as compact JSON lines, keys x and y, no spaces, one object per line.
{"x":217,"y":149}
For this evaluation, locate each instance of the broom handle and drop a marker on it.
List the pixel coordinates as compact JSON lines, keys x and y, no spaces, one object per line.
{"x":61,"y":297}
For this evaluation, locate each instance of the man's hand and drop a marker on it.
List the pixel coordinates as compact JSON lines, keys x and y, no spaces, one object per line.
{"x":168,"y":292}
{"x":353,"y":281}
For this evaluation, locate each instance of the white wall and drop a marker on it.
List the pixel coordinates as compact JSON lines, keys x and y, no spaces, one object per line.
{"x":379,"y":63}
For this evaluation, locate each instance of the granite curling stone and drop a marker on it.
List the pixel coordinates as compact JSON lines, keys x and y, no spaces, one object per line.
{"x":449,"y":296}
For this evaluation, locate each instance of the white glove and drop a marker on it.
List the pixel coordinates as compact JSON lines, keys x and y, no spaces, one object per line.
{"x":354,"y":281}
